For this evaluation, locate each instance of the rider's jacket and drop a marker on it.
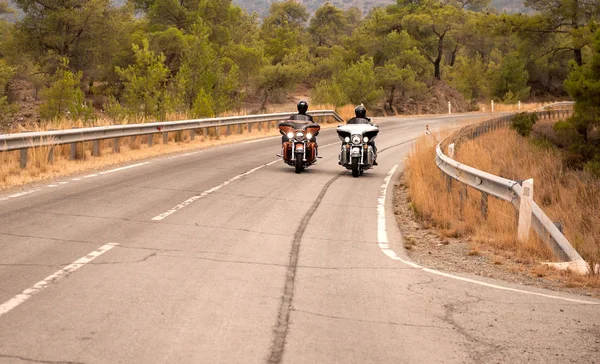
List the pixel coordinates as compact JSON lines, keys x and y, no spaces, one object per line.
{"x":301,"y":117}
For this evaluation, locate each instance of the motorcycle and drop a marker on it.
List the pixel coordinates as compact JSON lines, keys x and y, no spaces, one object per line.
{"x":357,"y":154}
{"x":300,"y":151}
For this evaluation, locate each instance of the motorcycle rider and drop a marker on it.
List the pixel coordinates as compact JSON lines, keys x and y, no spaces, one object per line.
{"x":300,"y":116}
{"x":361,"y":118}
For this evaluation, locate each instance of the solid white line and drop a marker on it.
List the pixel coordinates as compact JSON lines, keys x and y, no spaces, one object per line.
{"x":39,"y":286}
{"x":90,"y":176}
{"x":167,"y":213}
{"x":382,"y":240}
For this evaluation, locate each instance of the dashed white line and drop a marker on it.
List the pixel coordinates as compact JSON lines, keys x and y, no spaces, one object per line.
{"x":52,"y":186}
{"x":185,"y":203}
{"x":121,"y":169}
{"x":63,"y":183}
{"x":261,"y":140}
{"x":53,"y":278}
{"x":383,"y":242}
{"x":20,"y":194}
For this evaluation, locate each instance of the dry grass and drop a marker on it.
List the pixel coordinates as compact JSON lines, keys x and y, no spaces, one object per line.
{"x":432,"y":203}
{"x":512,"y":107}
{"x":570,"y":197}
{"x":131,"y":149}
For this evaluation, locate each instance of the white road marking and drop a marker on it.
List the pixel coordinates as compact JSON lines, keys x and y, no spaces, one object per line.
{"x":52,"y":186}
{"x":63,"y":183}
{"x":24,"y":193}
{"x":167,"y":213}
{"x":122,"y":168}
{"x":90,"y":176}
{"x":53,"y":278}
{"x":76,"y":179}
{"x":383,"y":242}
{"x":261,"y":140}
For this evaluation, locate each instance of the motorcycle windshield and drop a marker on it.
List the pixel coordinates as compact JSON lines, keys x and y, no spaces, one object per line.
{"x":299,"y":125}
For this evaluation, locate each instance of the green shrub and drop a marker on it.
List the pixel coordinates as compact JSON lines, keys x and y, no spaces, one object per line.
{"x":523,"y":123}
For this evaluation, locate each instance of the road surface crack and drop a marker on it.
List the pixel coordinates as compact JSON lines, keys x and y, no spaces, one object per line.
{"x":283,"y":318}
{"x":478,"y":356}
{"x":391,"y":323}
{"x":31,"y":360}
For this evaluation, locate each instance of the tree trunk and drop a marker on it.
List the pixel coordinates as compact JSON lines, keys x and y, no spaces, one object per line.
{"x":453,"y":58}
{"x":438,"y":60}
{"x":578,"y":56}
{"x":391,"y":99}
{"x":264,"y":101}
{"x":438,"y":73}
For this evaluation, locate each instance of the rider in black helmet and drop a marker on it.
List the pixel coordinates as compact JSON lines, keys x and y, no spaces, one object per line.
{"x":361,"y":118}
{"x":301,"y":116}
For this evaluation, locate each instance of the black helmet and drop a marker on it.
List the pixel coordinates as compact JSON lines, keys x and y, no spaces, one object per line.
{"x":360,"y":111}
{"x":302,"y":107}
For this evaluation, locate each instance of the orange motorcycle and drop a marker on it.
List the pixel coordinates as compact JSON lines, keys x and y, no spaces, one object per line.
{"x":300,"y":151}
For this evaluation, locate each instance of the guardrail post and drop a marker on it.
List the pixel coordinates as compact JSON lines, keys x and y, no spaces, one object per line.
{"x":449,"y":108}
{"x":205,"y":132}
{"x":96,"y":148}
{"x":23,"y":158}
{"x":240,"y":129}
{"x":51,"y":155}
{"x":73,"y":151}
{"x":463,"y":199}
{"x":269,"y":125}
{"x":165,"y":138}
{"x":150,"y":140}
{"x":249,"y":127}
{"x":116,"y":146}
{"x":260,"y":126}
{"x":228,"y":130}
{"x":525,"y":211}
{"x":193,"y":134}
{"x":484,"y":205}
{"x":492,"y":105}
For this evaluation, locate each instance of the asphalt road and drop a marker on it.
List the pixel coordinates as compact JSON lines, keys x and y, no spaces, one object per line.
{"x":227,"y":256}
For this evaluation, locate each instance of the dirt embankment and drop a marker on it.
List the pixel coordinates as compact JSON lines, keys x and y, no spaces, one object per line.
{"x":440,"y":93}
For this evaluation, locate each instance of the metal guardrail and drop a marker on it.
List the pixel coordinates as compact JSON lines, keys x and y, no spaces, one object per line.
{"x":27,"y":140}
{"x":509,"y":190}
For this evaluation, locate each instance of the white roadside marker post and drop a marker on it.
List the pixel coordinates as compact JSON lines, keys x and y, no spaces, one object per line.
{"x":525,"y":211}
